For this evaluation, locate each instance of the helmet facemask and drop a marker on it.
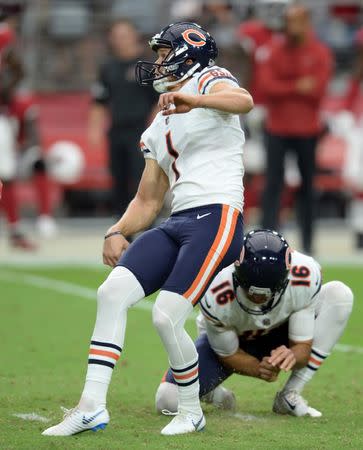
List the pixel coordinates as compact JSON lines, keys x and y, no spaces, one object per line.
{"x":158,"y":74}
{"x":273,"y":298}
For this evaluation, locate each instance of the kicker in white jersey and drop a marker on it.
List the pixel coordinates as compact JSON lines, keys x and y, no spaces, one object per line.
{"x":200,"y":152}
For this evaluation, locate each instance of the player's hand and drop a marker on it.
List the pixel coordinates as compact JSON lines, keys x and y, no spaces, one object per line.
{"x":305,"y":85}
{"x":183,"y":103}
{"x":113,"y":248}
{"x":267,"y":371}
{"x":282,"y":357}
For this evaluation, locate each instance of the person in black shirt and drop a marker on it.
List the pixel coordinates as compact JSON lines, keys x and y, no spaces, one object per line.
{"x":129,"y":106}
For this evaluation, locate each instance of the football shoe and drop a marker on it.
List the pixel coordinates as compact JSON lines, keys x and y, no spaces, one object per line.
{"x":290,"y":402}
{"x":184,"y":423}
{"x":76,"y":421}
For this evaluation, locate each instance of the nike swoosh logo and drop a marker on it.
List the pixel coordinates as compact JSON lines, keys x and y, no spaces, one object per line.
{"x":87,"y":420}
{"x":196,"y":425}
{"x":290,"y":404}
{"x":203,"y":215}
{"x":207,"y":304}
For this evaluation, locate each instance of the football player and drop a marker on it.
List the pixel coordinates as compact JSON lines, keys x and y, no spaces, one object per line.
{"x":19,"y":108}
{"x":194,"y":147}
{"x":266,"y":313}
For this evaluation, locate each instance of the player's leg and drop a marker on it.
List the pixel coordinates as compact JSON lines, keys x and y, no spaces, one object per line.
{"x":137,"y":275}
{"x":306,"y":150}
{"x":211,"y":239}
{"x":276,"y":148}
{"x":8,"y":168}
{"x":211,"y":375}
{"x":24,"y":109}
{"x":334,"y":308}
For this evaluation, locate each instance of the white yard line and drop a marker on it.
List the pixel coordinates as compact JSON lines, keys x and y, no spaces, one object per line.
{"x":64,"y":287}
{"x":31,"y":416}
{"x":354,"y":260}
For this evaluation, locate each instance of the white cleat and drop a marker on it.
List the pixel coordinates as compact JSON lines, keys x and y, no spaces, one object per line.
{"x":75,"y":421}
{"x":47,"y":226}
{"x":184,"y":423}
{"x":290,"y":402}
{"x":222,"y":398}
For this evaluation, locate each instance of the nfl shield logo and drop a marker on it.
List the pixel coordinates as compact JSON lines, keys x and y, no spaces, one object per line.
{"x":266,"y":322}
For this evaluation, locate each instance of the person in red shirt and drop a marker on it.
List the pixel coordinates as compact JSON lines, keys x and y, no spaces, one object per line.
{"x":254,"y":36}
{"x":294,"y":80}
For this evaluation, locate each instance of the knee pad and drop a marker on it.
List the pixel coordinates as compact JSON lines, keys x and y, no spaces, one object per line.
{"x":339,"y":296}
{"x":166,"y":397}
{"x":170,"y":312}
{"x":121,"y":288}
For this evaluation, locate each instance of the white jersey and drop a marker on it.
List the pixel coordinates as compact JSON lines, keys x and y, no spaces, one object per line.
{"x":225,"y":321}
{"x":200,"y":151}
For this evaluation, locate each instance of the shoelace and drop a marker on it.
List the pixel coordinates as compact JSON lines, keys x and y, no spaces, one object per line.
{"x":67,"y":412}
{"x":166,"y":412}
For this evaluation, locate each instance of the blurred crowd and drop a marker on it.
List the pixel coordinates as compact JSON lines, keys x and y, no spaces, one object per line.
{"x":92,"y":46}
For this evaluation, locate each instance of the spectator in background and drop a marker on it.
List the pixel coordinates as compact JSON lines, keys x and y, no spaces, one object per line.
{"x":354,"y":139}
{"x":254,"y":37}
{"x":357,"y":74}
{"x":294,"y":80}
{"x":20,"y":107}
{"x":117,"y":97}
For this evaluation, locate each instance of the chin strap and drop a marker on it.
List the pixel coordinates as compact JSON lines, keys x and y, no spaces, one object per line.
{"x":162,"y":85}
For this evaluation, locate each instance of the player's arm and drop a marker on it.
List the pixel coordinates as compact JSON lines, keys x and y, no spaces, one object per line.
{"x":11,"y":74}
{"x":243,"y":363}
{"x":225,"y":343}
{"x":98,"y":113}
{"x":222,"y":96}
{"x":301,"y":331}
{"x":97,"y":117}
{"x":140,"y":213}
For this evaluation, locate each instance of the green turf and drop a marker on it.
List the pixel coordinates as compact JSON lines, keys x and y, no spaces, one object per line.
{"x":44,"y":339}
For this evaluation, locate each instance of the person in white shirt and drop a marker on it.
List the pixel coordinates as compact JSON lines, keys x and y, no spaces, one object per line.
{"x":194,"y":147}
{"x":267,"y":313}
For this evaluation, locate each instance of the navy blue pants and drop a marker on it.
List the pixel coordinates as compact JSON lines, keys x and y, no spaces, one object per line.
{"x":212,"y":372}
{"x":185,"y":252}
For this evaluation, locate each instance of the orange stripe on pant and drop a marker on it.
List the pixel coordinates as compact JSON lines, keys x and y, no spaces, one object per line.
{"x":94,"y":351}
{"x":217,"y":240}
{"x":221,"y":256}
{"x":191,"y":291}
{"x":185,"y":377}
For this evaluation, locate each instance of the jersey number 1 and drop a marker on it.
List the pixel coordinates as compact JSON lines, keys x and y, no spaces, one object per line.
{"x":173,"y":153}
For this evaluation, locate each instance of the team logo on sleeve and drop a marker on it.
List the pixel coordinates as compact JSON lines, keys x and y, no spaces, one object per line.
{"x":194,"y":37}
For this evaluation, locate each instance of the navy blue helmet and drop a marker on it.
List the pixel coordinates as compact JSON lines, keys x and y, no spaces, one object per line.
{"x":263,"y":268}
{"x":191,"y":50}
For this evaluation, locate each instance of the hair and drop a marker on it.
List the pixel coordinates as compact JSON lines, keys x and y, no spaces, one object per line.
{"x":300,"y":5}
{"x":121,"y":21}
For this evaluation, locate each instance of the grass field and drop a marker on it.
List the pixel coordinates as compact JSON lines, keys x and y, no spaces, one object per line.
{"x":47,"y":316}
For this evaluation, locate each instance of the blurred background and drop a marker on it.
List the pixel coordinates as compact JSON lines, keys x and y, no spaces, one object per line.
{"x":71,"y":112}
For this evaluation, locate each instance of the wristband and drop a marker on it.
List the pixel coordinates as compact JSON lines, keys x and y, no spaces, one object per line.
{"x":113,"y":233}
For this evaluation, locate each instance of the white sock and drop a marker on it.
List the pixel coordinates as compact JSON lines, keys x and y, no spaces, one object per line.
{"x":120,"y":291}
{"x":169,"y":314}
{"x":334,"y":308}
